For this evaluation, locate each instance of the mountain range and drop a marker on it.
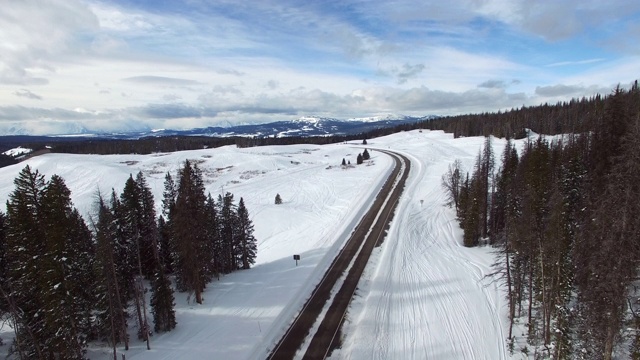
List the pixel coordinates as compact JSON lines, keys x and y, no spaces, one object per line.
{"x":304,"y":126}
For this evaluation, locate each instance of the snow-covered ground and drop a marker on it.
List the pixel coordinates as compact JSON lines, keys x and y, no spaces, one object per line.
{"x":423,"y":296}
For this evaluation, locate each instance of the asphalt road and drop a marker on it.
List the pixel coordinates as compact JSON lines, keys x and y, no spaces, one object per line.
{"x":368,"y":234}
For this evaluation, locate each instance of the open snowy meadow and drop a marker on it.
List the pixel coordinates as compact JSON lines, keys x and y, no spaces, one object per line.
{"x":423,"y":295}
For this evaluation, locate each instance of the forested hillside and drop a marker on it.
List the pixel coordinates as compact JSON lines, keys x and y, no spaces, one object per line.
{"x":563,"y":216}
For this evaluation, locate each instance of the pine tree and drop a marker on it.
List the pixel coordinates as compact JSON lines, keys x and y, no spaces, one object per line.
{"x":278,"y":199}
{"x":124,"y":253}
{"x":609,"y":252}
{"x":502,"y":225}
{"x":188,"y":230}
{"x":486,"y":176}
{"x":344,"y":162}
{"x":359,"y":159}
{"x":169,"y":196}
{"x":463,"y":200}
{"x":365,"y":155}
{"x":49,"y":255}
{"x":24,"y":246}
{"x":211,"y":246}
{"x":166,"y":254}
{"x":227,"y":233}
{"x":246,"y":241}
{"x":168,"y":243}
{"x":130,"y":217}
{"x":474,"y":202}
{"x":4,"y":306}
{"x":148,"y":228}
{"x":162,"y":303}
{"x":111,"y":305}
{"x":64,"y":267}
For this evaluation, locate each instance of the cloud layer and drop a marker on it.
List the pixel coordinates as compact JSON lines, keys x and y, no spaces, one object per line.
{"x":88,"y":65}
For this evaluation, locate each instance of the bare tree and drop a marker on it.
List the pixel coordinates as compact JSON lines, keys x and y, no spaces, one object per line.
{"x":451,"y":182}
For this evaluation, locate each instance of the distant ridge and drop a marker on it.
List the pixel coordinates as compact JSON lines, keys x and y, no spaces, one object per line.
{"x":303,"y":126}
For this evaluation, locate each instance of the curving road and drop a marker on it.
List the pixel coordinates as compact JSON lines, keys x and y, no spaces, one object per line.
{"x":368,"y":234}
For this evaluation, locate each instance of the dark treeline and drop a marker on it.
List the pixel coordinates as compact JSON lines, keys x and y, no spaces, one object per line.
{"x":563,"y":215}
{"x":575,"y":116}
{"x":64,"y":283}
{"x":139,"y":146}
{"x":6,"y":160}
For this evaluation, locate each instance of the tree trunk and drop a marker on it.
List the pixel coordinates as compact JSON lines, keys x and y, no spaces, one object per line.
{"x":198,"y":295}
{"x":140,"y":297}
{"x":608,"y":345}
{"x":123,"y":328}
{"x":530,"y":310}
{"x":111,"y":315}
{"x":512,"y":307}
{"x":545,"y":309}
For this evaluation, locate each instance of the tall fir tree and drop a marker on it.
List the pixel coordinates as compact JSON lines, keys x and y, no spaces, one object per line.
{"x":111,"y":307}
{"x":162,"y":303}
{"x":212,"y":244}
{"x":168,"y":249}
{"x":4,"y":306}
{"x":64,"y":268}
{"x":247,"y":243}
{"x":123,"y":250}
{"x":148,"y":229}
{"x":25,"y":245}
{"x":486,"y":178}
{"x":228,"y":237}
{"x":130,"y":216}
{"x":188,"y":230}
{"x":166,"y":254}
{"x":49,"y":255}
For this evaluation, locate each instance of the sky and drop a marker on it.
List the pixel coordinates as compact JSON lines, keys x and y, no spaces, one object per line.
{"x":125,"y":65}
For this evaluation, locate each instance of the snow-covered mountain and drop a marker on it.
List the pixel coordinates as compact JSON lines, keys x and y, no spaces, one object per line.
{"x":303,"y":126}
{"x":54,"y":127}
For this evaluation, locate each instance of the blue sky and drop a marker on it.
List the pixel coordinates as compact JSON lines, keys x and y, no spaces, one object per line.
{"x":129,"y":65}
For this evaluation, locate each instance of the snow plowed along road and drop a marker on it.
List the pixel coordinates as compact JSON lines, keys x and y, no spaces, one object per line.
{"x":424,"y":296}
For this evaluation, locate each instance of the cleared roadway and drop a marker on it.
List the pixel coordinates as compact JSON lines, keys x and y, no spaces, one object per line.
{"x":368,"y":234}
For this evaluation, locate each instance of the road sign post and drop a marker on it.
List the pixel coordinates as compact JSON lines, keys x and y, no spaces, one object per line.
{"x":296,"y":258}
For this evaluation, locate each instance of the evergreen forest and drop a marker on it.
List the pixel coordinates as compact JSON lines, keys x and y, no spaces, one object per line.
{"x":562,"y":214}
{"x":65,"y":281}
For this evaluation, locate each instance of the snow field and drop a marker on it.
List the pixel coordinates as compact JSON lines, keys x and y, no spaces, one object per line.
{"x":246,"y":312}
{"x":423,"y":295}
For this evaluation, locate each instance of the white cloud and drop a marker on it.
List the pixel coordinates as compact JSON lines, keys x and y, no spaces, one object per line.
{"x":161,"y":80}
{"x":226,"y":61}
{"x":27,"y":94}
{"x":51,"y":31}
{"x":576,"y":62}
{"x":112,"y":18}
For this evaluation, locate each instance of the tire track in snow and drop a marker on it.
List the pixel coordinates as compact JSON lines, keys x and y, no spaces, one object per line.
{"x":427,"y":297}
